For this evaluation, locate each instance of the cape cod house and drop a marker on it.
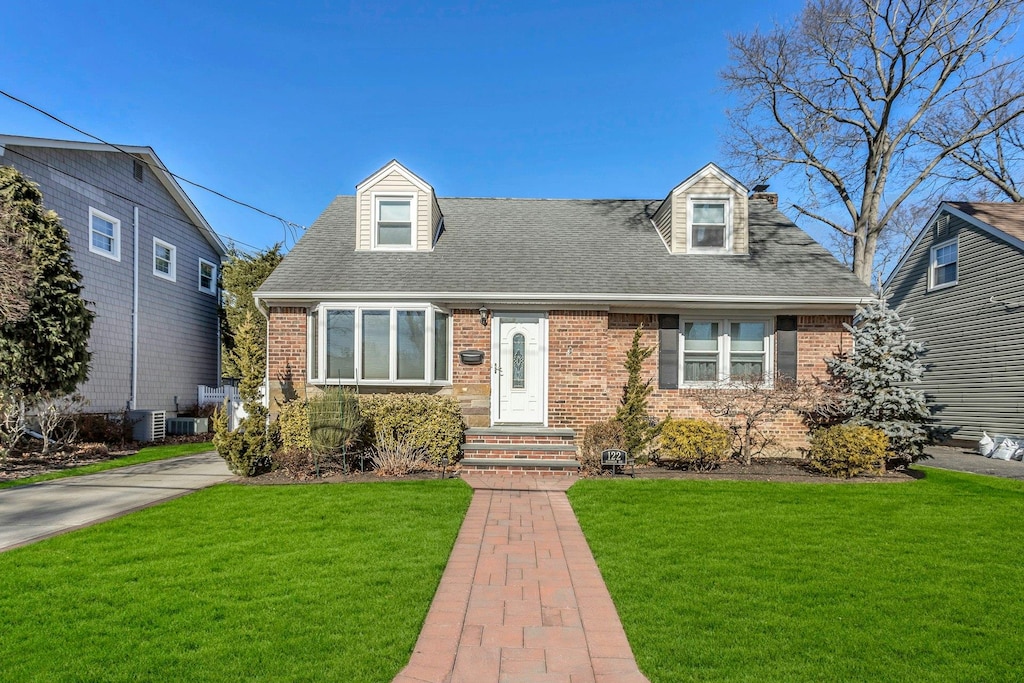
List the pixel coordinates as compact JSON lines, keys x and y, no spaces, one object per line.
{"x":524,"y":308}
{"x":149,"y":263}
{"x":960,"y":281}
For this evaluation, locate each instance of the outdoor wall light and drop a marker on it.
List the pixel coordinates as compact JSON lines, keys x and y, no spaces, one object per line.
{"x":483,"y":315}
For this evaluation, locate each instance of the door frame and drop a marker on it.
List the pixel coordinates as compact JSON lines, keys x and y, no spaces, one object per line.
{"x":542,"y":331}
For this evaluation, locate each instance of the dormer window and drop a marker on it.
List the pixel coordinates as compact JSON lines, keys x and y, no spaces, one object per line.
{"x":394,"y":222}
{"x":710,"y":225}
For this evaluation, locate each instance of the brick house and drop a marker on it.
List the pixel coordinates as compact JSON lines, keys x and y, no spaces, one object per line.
{"x":524,"y":308}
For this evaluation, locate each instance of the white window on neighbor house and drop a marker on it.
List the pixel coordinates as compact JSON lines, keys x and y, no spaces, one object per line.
{"x":104,"y":234}
{"x":393,"y":221}
{"x":207,"y":277}
{"x":709,"y":225}
{"x":943,"y":271}
{"x":724,"y":350}
{"x":164,"y":259}
{"x":376,"y":344}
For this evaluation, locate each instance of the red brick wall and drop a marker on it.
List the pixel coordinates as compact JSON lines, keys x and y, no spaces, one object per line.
{"x":471,"y":384}
{"x":286,"y":353}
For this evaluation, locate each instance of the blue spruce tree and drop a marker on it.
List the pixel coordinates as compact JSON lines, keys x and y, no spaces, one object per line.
{"x":877,"y":378}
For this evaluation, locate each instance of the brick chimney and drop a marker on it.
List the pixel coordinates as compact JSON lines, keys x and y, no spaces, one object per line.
{"x":770,"y":197}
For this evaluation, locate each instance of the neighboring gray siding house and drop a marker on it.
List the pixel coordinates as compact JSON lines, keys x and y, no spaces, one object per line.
{"x":962,"y":281}
{"x":149,"y":264}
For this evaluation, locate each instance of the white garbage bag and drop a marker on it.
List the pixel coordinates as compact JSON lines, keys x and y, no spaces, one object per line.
{"x":986,"y":445}
{"x":1005,"y":450}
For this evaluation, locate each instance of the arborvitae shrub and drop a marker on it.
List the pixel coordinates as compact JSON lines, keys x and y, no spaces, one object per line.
{"x":847,"y":450}
{"x":694,"y":444}
{"x":246,"y":450}
{"x":598,"y":437}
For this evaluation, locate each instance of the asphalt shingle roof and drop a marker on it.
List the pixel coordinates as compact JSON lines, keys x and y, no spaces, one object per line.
{"x":553,"y":246}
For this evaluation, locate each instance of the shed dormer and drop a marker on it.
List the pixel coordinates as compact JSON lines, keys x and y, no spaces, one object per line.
{"x":396,"y":210}
{"x":705,"y":214}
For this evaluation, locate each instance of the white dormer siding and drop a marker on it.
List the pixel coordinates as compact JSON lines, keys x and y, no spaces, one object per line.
{"x":392,"y":203}
{"x":711,"y":206}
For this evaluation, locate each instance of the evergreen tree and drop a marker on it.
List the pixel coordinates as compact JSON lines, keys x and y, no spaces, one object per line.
{"x":876,"y":380}
{"x":632,"y":413}
{"x":46,"y":350}
{"x":240,"y":277}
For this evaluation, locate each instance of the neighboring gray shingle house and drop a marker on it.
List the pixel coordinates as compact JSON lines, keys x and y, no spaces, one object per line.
{"x":962,"y":281}
{"x":149,"y":264}
{"x":389,"y":287}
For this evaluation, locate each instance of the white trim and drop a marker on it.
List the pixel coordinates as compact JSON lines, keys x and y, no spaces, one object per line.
{"x":147,"y":156}
{"x":213,"y":279}
{"x":931,"y":264}
{"x":135,"y":310}
{"x":660,"y":236}
{"x":541,"y":298}
{"x":710,"y":169}
{"x":172,"y":273}
{"x":386,"y":169}
{"x":116,"y":242}
{"x":724,"y":351}
{"x":542,"y":331}
{"x":375,"y":199}
{"x":727,"y":239}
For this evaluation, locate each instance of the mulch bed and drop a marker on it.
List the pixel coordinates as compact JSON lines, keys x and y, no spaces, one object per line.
{"x":32,"y":464}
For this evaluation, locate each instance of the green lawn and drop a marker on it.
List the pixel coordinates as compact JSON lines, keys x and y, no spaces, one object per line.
{"x":718,"y":580}
{"x":296,"y":583}
{"x":148,"y":454}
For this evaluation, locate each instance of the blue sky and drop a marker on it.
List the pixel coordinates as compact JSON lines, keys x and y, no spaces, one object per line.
{"x":285,"y":105}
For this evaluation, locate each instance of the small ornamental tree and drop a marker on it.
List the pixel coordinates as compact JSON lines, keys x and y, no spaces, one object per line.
{"x":876,"y":381}
{"x":247,"y":449}
{"x":44,"y":350}
{"x":240,"y":277}
{"x":632,"y":413}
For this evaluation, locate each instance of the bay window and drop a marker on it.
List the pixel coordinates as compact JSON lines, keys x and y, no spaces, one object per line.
{"x":379,"y":345}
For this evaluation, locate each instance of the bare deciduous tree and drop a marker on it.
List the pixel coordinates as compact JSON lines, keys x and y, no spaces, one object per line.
{"x":846,"y":94}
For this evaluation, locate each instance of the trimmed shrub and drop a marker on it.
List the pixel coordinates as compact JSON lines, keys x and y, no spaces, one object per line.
{"x":433,"y":423}
{"x":293,"y":426}
{"x":694,"y":444}
{"x":848,"y":450}
{"x":598,"y":437}
{"x":246,"y":450}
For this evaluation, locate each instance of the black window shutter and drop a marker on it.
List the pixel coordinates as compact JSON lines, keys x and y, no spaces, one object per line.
{"x":785,"y":344}
{"x":668,"y":351}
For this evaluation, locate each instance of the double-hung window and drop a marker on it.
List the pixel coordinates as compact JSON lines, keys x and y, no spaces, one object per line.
{"x":207,"y":277}
{"x":164,"y":259}
{"x":942,"y":271}
{"x":104,"y":234}
{"x":393,"y":222}
{"x":380,"y":345}
{"x":724,"y":351}
{"x":709,"y":221}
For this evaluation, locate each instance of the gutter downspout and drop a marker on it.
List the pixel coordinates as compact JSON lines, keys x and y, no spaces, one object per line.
{"x":135,"y":309}
{"x":266,"y":371}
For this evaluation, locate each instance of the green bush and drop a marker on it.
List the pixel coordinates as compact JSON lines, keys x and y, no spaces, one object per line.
{"x":247,"y":449}
{"x":293,"y":425}
{"x":598,"y":437}
{"x":694,"y":444}
{"x":433,"y":423}
{"x":848,"y":450}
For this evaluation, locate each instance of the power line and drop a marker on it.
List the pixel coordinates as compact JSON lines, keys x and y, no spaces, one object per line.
{"x":125,"y":198}
{"x":285,"y":222}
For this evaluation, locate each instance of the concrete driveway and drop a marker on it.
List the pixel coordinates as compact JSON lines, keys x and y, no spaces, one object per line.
{"x":967,"y":460}
{"x":36,"y":511}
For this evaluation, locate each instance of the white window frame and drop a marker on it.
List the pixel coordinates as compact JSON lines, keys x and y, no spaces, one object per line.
{"x":358,"y":308}
{"x":724,"y":350}
{"x":955,"y":242}
{"x":727,"y":240}
{"x":173,"y":270}
{"x":213,"y":280}
{"x":115,"y":253}
{"x":411,"y":197}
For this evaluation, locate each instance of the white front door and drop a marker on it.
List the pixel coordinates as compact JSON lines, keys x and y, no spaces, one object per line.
{"x":519,"y":347}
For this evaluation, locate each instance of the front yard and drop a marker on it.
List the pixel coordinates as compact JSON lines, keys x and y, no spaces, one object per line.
{"x":234,"y":583}
{"x":718,"y":580}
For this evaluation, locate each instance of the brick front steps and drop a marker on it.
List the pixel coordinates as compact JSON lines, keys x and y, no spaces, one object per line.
{"x":546,"y":452}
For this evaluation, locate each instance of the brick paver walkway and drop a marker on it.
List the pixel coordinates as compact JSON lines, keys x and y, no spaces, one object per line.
{"x":521,"y":599}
